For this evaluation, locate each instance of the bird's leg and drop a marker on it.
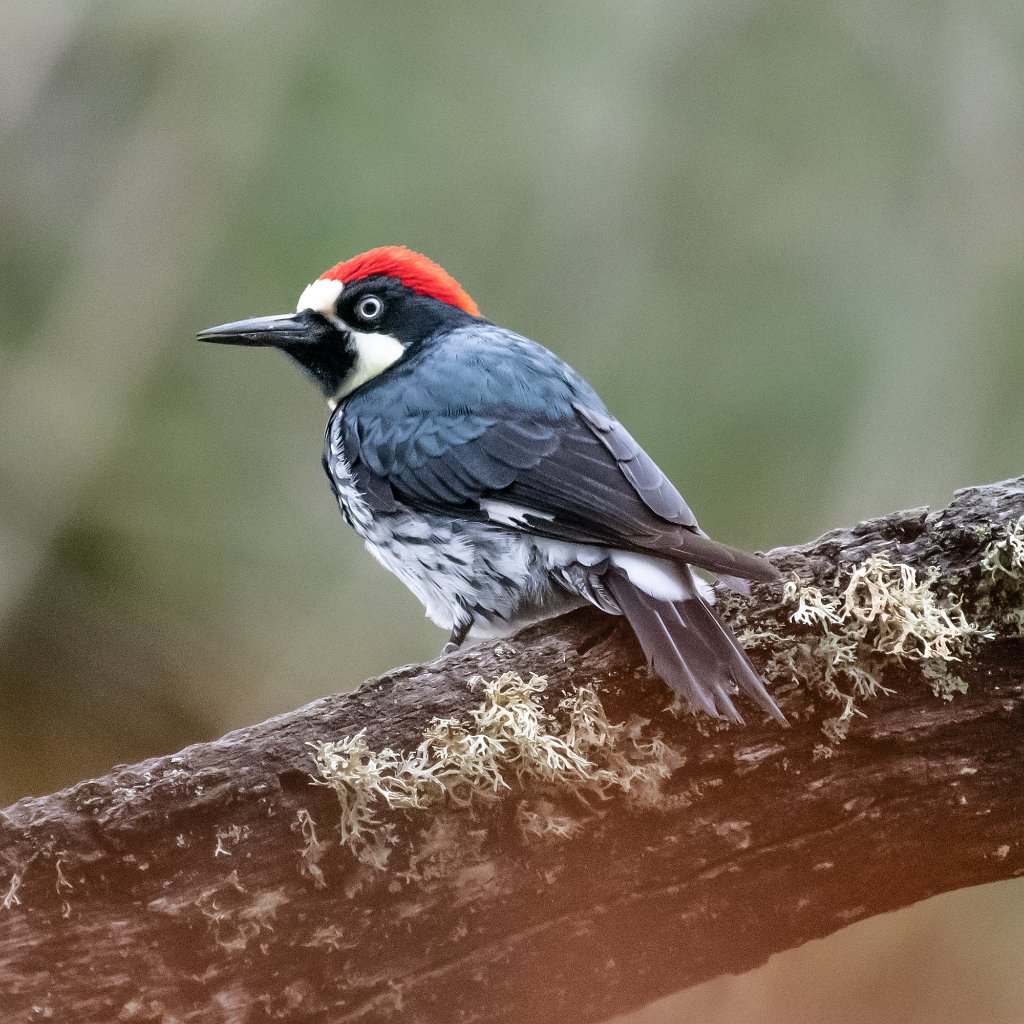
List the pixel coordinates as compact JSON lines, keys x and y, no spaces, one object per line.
{"x":457,"y":637}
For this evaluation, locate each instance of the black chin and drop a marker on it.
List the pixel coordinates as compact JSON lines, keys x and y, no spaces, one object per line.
{"x":327,"y":362}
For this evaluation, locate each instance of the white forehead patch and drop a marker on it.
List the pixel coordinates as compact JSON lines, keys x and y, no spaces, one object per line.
{"x":321,"y":297}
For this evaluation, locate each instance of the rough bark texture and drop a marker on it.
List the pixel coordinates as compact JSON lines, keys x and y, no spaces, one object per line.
{"x":177,"y":889}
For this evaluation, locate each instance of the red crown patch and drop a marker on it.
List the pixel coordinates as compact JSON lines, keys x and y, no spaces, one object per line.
{"x":415,"y":271}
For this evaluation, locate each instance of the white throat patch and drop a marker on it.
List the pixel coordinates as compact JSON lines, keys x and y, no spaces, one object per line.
{"x":321,"y":297}
{"x":374,"y":354}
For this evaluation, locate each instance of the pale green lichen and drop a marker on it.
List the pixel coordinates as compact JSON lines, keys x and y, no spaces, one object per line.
{"x":62,"y":883}
{"x":1005,"y":557}
{"x":542,"y":819}
{"x":885,"y":604}
{"x":1001,"y":596}
{"x":11,"y":898}
{"x":313,"y":849}
{"x":509,"y":743}
{"x":944,"y":683}
{"x":884,"y":611}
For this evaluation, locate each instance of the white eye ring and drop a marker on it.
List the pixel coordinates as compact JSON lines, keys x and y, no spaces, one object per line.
{"x":369,"y":307}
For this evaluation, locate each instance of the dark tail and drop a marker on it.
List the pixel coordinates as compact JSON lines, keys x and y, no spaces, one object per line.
{"x":691,"y":650}
{"x":700,"y":550}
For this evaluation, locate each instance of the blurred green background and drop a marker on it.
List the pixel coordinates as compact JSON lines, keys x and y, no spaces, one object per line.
{"x":784,"y":241}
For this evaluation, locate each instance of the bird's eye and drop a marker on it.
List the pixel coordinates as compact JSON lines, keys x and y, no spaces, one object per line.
{"x":369,"y":307}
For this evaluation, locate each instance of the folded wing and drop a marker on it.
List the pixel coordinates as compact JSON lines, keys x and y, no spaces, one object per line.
{"x":571,"y":474}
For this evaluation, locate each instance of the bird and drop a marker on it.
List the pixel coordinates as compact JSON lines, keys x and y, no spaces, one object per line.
{"x":490,"y":478}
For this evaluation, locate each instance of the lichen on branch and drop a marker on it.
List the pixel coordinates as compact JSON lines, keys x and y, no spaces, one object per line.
{"x":511,"y":747}
{"x":846,"y":644}
{"x":1002,"y":565}
{"x":885,"y":605}
{"x":1005,"y":556}
{"x":882,"y":614}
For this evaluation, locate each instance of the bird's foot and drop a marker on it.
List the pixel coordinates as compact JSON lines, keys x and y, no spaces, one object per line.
{"x":458,"y":635}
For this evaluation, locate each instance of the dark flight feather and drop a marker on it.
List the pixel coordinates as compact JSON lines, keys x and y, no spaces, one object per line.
{"x":690,"y":649}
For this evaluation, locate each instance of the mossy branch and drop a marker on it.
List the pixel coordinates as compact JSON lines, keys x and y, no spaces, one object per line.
{"x":522,"y":831}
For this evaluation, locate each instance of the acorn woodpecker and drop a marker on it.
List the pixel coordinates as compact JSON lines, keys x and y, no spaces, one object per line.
{"x":490,"y":478}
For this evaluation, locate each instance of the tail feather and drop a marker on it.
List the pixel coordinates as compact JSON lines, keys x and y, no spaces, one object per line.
{"x":691,"y":650}
{"x":735,"y":584}
{"x":695,"y":656}
{"x":662,"y":649}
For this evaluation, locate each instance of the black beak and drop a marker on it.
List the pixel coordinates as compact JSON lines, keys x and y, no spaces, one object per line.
{"x":284,"y":331}
{"x":320,"y":347}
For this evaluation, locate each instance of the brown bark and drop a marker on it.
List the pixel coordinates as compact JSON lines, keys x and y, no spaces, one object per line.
{"x":177,"y":889}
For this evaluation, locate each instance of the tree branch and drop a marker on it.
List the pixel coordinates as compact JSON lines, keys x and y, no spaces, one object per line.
{"x":213,"y":886}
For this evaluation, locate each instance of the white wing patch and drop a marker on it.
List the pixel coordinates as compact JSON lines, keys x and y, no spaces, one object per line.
{"x":510,"y":515}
